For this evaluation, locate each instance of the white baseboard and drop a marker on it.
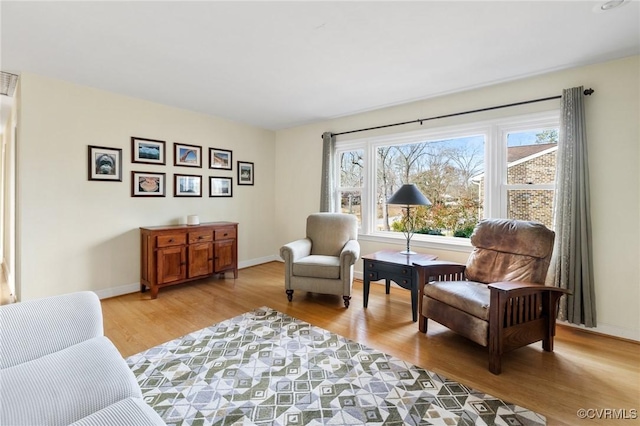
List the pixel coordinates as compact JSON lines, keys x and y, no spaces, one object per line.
{"x":135,"y":287}
{"x":607,"y":329}
{"x":117,"y":291}
{"x":258,"y":261}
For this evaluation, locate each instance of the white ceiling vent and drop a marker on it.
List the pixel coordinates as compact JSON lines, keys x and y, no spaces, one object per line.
{"x":8,"y":83}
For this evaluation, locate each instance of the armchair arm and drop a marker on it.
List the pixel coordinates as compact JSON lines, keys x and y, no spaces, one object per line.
{"x":350,"y":253}
{"x":440,"y":270}
{"x":32,"y":329}
{"x":528,"y":310}
{"x":515,"y":289}
{"x":295,"y":250}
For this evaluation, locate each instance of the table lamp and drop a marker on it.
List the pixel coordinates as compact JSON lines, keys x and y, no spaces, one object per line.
{"x":408,"y":195}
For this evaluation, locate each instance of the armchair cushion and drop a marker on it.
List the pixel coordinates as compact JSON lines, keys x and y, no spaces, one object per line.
{"x":317,"y":266}
{"x":508,"y":250}
{"x":468,"y":296}
{"x":330,"y":232}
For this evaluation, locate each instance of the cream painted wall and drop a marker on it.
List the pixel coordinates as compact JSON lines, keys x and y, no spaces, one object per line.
{"x":75,"y":234}
{"x":613,"y":115}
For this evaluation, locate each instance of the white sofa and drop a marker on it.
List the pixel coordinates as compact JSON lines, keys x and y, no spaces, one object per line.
{"x":58,"y":368}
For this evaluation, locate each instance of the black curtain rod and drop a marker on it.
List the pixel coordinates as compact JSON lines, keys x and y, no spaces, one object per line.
{"x":587,"y":92}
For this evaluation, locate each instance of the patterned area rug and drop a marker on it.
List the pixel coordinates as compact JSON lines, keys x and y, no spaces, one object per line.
{"x":267,"y":368}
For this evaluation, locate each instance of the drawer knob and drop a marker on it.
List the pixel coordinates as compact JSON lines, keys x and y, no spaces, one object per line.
{"x":225,"y":234}
{"x":171,"y":240}
{"x":404,"y":271}
{"x":200,"y":237}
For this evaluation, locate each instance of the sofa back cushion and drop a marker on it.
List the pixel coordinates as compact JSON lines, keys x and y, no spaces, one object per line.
{"x":510,"y":250}
{"x":329,"y":232}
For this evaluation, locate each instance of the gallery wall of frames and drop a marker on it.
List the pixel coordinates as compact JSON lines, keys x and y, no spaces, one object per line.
{"x":105,"y":164}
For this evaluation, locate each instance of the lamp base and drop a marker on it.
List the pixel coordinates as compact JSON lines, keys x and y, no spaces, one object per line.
{"x":408,"y":252}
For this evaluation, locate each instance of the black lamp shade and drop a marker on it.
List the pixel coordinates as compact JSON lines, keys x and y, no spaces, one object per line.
{"x":409,"y":194}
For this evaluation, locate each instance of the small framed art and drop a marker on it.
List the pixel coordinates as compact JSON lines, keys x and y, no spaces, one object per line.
{"x":105,"y":163}
{"x":219,"y":159}
{"x":187,"y":186}
{"x":245,"y":173}
{"x":147,"y":184}
{"x":187,"y":155}
{"x":220,"y":186}
{"x":147,"y":151}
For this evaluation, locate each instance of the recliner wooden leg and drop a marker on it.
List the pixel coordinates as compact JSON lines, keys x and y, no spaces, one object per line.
{"x":495,"y":362}
{"x":289,"y":295}
{"x":346,"y":301}
{"x":422,"y":323}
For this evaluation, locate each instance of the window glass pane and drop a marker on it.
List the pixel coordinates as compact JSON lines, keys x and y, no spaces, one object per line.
{"x":450,"y":173}
{"x":351,"y":169}
{"x":351,"y":202}
{"x":531,"y":157}
{"x":536,"y":205}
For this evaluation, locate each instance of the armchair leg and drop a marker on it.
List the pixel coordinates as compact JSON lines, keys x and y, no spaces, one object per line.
{"x":289,"y":295}
{"x":422,"y":323}
{"x":346,"y":300}
{"x":495,"y":363}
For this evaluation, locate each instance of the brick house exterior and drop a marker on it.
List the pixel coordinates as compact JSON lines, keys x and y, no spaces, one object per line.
{"x":529,"y":164}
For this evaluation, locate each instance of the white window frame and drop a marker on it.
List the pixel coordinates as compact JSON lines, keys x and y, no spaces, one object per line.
{"x":495,"y":169}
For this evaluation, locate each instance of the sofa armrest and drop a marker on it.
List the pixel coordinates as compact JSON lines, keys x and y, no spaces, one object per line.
{"x":350,"y":253}
{"x":295,"y":250}
{"x":32,"y":329}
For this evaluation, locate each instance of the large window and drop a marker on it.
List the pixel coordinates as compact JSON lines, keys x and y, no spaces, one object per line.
{"x":502,"y":168}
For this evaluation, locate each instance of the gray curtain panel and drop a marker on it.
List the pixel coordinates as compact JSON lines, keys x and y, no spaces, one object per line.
{"x":328,"y":168}
{"x":572,"y":266}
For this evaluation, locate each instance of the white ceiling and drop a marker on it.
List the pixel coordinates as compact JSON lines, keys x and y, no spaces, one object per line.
{"x":281,"y":64}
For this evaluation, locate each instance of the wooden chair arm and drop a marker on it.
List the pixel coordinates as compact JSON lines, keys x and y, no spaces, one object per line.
{"x":440,"y":269}
{"x":515,"y":289}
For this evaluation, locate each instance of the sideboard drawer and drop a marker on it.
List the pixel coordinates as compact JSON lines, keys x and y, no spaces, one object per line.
{"x":200,"y":237}
{"x":225,"y":233}
{"x":169,"y":240}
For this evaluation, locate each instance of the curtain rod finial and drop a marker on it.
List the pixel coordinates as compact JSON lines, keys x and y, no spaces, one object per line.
{"x":589,"y":91}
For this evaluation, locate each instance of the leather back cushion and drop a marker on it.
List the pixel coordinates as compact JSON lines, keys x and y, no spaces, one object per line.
{"x":329,"y":232}
{"x":510,"y":250}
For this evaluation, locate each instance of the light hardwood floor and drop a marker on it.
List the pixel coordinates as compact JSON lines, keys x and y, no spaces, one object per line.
{"x":586,"y":370}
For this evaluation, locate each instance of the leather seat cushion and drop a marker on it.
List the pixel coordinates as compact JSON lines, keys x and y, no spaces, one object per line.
{"x":468,"y":296}
{"x":317,"y":266}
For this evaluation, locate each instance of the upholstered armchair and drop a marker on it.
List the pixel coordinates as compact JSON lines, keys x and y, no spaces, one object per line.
{"x":498,"y":299}
{"x":323,"y":261}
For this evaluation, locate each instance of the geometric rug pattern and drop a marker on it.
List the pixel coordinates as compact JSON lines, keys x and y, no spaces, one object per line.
{"x":267,"y":368}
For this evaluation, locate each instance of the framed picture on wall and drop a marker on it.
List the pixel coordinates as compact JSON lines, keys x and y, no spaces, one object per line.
{"x":187,"y":186}
{"x":220,"y":186}
{"x":105,"y":164}
{"x":187,"y":155}
{"x":147,"y":184}
{"x":147,"y":151}
{"x":245,"y":173}
{"x":219,"y":159}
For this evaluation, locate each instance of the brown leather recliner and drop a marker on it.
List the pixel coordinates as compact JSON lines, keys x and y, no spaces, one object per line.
{"x":498,"y":299}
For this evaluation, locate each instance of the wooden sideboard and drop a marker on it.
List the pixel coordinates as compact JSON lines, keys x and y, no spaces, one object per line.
{"x":176,"y":254}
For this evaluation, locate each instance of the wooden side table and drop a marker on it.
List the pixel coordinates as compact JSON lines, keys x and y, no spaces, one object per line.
{"x":392,"y":266}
